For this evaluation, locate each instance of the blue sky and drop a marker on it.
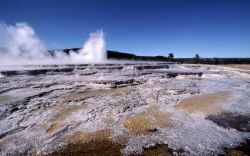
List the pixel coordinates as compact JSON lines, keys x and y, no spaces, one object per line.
{"x":184,"y":27}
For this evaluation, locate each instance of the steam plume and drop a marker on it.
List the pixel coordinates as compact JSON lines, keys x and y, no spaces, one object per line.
{"x":19,"y":44}
{"x":94,"y":49}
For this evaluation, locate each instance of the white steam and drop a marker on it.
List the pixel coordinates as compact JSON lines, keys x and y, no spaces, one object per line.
{"x":91,"y":51}
{"x":19,"y":44}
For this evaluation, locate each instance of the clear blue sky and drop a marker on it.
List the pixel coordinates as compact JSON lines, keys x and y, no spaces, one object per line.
{"x":210,"y":28}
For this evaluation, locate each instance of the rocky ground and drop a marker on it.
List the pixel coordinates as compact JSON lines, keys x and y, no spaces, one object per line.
{"x":124,"y":109}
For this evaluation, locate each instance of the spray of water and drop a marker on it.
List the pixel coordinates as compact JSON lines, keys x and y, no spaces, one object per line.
{"x":19,"y":44}
{"x":91,"y":51}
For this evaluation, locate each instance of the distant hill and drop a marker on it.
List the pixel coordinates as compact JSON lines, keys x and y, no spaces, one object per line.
{"x":128,"y":56}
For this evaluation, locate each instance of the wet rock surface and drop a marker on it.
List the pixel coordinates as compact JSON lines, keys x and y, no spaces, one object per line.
{"x":232,"y":120}
{"x":124,"y":109}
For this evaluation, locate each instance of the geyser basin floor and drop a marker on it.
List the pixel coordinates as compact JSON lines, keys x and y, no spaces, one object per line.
{"x":124,"y":109}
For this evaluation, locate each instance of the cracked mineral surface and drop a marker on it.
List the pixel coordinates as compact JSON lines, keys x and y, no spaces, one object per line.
{"x":124,"y":109}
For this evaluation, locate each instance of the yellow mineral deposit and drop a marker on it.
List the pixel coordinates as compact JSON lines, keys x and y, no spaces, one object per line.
{"x":90,"y":148}
{"x":64,"y":111}
{"x":85,"y":137}
{"x":205,"y":103}
{"x":148,"y":121}
{"x":91,"y":144}
{"x":158,"y":150}
{"x":235,"y":153}
{"x":54,"y":127}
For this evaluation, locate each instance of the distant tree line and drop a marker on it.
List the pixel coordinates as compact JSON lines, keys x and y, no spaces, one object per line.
{"x":170,"y":58}
{"x":213,"y":60}
{"x":198,"y":60}
{"x":127,"y":56}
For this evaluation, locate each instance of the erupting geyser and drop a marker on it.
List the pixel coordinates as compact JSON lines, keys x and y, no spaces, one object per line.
{"x":94,"y":48}
{"x":19,"y":44}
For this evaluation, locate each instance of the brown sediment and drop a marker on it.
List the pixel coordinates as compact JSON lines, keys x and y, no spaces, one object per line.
{"x":158,"y":150}
{"x":75,"y":96}
{"x":57,"y":121}
{"x":138,"y":124}
{"x":160,"y":118}
{"x":85,"y":137}
{"x":206,"y":103}
{"x":90,"y":148}
{"x":67,"y":110}
{"x":64,"y":112}
{"x":90,"y":144}
{"x":235,"y":153}
{"x":53,"y":127}
{"x":4,"y":97}
{"x":78,"y":136}
{"x":148,"y":121}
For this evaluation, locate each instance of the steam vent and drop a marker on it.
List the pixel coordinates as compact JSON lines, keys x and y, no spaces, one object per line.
{"x":124,"y":108}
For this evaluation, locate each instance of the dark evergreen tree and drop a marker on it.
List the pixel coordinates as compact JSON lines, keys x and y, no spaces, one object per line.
{"x":196,"y":59}
{"x":170,"y":57}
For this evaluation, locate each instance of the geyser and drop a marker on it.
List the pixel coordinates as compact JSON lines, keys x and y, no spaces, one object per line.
{"x":19,"y":44}
{"x":94,"y":48}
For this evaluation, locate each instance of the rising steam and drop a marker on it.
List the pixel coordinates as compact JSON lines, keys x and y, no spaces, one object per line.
{"x":19,"y":44}
{"x":90,"y":48}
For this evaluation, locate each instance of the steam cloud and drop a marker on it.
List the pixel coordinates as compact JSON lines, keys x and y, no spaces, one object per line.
{"x":19,"y":44}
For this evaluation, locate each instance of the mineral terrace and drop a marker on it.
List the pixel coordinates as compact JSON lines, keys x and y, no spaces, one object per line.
{"x":124,"y":109}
